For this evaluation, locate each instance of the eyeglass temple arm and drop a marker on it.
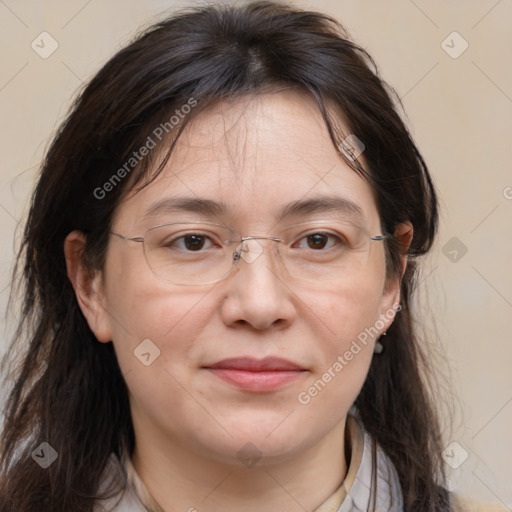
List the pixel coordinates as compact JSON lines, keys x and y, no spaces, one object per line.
{"x":128,"y":239}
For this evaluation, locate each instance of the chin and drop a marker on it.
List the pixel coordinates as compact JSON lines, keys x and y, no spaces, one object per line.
{"x":256,"y":448}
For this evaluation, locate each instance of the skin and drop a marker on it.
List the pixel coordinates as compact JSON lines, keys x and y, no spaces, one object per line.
{"x":255,"y":154}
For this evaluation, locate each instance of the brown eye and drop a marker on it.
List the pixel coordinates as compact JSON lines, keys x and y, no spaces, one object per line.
{"x":317,"y":240}
{"x":193,"y":242}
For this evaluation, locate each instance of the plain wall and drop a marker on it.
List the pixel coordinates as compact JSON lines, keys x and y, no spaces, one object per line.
{"x":459,"y":111}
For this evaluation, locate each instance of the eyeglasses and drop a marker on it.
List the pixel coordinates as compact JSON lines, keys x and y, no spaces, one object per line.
{"x":200,"y":253}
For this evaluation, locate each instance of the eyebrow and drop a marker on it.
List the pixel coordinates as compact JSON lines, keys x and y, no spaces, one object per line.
{"x":210,"y":208}
{"x":320,"y":204}
{"x":205,"y":207}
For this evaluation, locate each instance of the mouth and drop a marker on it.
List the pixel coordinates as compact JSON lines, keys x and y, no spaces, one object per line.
{"x":256,"y":375}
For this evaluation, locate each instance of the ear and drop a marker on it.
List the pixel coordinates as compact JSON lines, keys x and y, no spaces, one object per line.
{"x":391,"y":296}
{"x":88,"y":286}
{"x":404,"y":233}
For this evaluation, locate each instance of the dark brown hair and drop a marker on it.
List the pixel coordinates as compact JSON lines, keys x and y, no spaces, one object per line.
{"x":67,"y":388}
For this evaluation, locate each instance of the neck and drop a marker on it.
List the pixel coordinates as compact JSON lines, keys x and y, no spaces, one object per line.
{"x":179,"y":479}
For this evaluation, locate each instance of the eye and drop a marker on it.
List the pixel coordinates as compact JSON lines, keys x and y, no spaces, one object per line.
{"x":319,"y":241}
{"x":193,"y":242}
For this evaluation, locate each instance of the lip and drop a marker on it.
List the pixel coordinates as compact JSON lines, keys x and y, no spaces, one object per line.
{"x":256,"y":375}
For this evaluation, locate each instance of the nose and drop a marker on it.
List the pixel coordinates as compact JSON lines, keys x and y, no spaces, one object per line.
{"x":256,"y":293}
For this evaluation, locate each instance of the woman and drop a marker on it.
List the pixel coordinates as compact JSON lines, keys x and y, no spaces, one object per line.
{"x":217,"y":271}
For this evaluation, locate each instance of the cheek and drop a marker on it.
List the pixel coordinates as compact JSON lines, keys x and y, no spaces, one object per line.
{"x":352,"y":321}
{"x":342,"y":314}
{"x":141,"y":307}
{"x":157,"y":372}
{"x":345,"y":322}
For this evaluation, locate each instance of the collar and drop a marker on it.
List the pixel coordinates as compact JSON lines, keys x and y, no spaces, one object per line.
{"x":371,"y":478}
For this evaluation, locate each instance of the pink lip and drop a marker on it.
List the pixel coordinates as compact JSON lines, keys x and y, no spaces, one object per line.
{"x":258,"y":375}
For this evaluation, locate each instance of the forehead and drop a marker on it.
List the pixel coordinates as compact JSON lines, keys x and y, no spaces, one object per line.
{"x":255,"y":156}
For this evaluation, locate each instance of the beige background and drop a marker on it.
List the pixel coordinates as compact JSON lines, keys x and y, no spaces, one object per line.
{"x":459,"y":110}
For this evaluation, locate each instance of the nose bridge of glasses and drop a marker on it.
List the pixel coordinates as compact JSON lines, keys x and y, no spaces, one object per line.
{"x":258,"y":237}
{"x":250,"y":248}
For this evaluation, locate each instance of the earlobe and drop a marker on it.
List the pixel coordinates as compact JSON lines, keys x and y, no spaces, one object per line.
{"x":88,"y":286}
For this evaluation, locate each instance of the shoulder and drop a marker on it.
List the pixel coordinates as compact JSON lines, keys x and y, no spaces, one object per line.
{"x":465,"y":504}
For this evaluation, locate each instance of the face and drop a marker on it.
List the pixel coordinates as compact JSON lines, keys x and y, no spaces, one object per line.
{"x":192,"y":384}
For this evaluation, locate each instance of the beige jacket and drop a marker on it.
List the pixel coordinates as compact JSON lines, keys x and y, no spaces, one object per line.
{"x":353,"y":495}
